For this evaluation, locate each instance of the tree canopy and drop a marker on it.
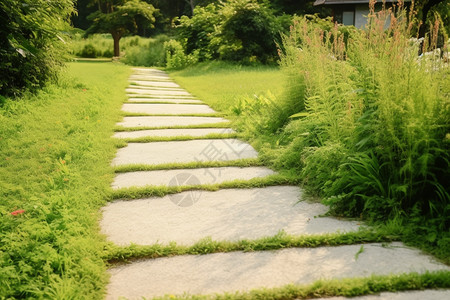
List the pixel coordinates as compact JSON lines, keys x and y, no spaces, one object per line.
{"x":119,"y":18}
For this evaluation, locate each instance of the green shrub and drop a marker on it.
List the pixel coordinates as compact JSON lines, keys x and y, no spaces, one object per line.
{"x":150,"y":55}
{"x":102,"y":43}
{"x":197,"y":31}
{"x":364,"y":121}
{"x":175,"y":56}
{"x":89,"y":51}
{"x":246,"y":31}
{"x":371,"y":131}
{"x":31,"y":43}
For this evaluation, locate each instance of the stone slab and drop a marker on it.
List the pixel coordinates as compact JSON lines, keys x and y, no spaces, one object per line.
{"x":238,"y":271}
{"x":187,"y":176}
{"x":161,"y":121}
{"x":197,"y":132}
{"x":149,"y":77}
{"x":166,"y":109}
{"x":230,"y":214}
{"x":149,"y":71}
{"x":155,"y":83}
{"x":169,"y":100}
{"x":183,"y":152}
{"x":153,"y":88}
{"x":408,"y":295}
{"x":165,"y":92}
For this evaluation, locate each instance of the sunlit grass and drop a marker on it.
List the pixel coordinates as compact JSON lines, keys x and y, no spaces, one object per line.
{"x":55,"y":153}
{"x":221,"y":85}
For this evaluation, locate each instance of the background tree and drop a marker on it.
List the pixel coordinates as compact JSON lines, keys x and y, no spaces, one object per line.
{"x":31,"y":42}
{"x":426,"y":7}
{"x":119,"y":18}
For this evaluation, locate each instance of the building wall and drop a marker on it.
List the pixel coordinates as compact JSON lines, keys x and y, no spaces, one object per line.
{"x":361,"y":13}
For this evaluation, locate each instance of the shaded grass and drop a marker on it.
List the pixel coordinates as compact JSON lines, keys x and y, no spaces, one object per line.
{"x":348,"y":287}
{"x":161,"y":191}
{"x":247,"y":162}
{"x":55,"y":153}
{"x":118,"y":254}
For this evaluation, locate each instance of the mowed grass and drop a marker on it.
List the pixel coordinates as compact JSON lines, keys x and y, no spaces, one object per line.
{"x":55,"y":153}
{"x":221,"y":85}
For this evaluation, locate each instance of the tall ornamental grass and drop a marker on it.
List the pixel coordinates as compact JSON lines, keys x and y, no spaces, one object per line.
{"x":373,"y":137}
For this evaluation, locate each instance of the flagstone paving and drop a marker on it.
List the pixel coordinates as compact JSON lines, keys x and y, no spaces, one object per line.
{"x":225,"y":272}
{"x":183,"y":176}
{"x":161,"y":96}
{"x":162,"y":121}
{"x":195,"y":132}
{"x":183,"y":152}
{"x":168,"y":100}
{"x":228,"y":214}
{"x":166,"y":109}
{"x":164,"y":92}
{"x":154,"y":84}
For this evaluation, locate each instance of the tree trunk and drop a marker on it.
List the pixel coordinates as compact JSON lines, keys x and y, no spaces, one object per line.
{"x":425,"y":10}
{"x":192,"y":5}
{"x":116,"y":37}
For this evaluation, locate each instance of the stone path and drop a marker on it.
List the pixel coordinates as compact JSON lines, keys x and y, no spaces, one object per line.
{"x":223,"y":215}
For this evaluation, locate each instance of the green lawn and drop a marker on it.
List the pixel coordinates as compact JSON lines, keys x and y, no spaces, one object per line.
{"x":222,"y":85}
{"x":55,"y":151}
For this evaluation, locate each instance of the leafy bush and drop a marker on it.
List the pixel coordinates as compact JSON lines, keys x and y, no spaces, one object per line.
{"x":31,"y":47}
{"x":197,"y":32}
{"x":175,"y":56}
{"x":89,"y":51}
{"x":148,"y":55}
{"x":246,"y":31}
{"x":371,"y":133}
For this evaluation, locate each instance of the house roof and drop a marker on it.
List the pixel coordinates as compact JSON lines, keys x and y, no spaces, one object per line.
{"x":328,"y":2}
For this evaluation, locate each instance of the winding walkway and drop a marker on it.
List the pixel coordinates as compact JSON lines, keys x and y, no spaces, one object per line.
{"x":194,"y":133}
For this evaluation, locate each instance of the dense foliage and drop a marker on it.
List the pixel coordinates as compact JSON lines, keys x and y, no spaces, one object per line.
{"x":235,"y":30}
{"x":119,"y":17}
{"x":369,"y":127}
{"x":31,"y":42}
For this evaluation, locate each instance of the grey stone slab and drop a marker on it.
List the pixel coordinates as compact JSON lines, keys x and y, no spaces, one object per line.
{"x":183,"y":152}
{"x":153,"y":88}
{"x":157,"y":86}
{"x":169,"y":100}
{"x":197,"y":132}
{"x":166,"y":109}
{"x":166,"y":92}
{"x":161,"y":121}
{"x":238,"y":271}
{"x":230,"y":214}
{"x":144,"y":70}
{"x":187,"y":176}
{"x":149,"y":78}
{"x":408,"y":295}
{"x":155,"y":83}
